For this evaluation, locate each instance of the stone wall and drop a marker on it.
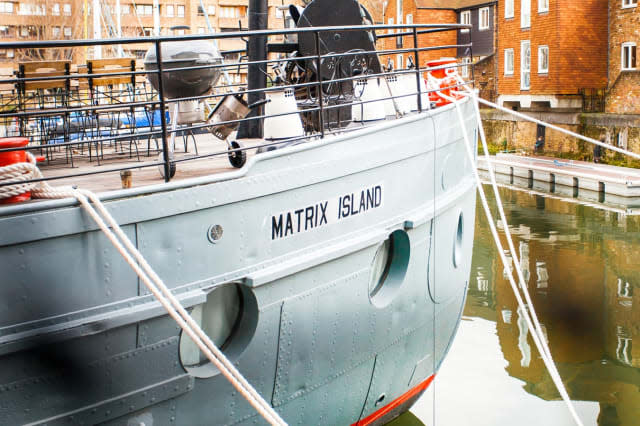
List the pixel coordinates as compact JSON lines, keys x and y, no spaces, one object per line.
{"x":484,"y":74}
{"x":507,"y":132}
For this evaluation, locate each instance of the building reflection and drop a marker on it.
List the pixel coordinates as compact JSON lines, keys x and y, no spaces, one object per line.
{"x":581,"y":266}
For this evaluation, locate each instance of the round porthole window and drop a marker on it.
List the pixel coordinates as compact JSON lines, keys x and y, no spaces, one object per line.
{"x":388,"y":268}
{"x":228,"y":317}
{"x":457,"y":243}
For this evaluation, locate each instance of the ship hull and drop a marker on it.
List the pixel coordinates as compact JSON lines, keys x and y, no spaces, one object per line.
{"x":296,"y":232}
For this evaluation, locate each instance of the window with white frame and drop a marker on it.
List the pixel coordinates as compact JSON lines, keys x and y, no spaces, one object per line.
{"x":525,"y":65}
{"x":628,"y":56}
{"x":391,"y":23}
{"x":400,"y":61}
{"x":180,"y":10}
{"x":629,"y":3}
{"x":7,"y":7}
{"x":144,"y":9}
{"x":66,"y":9}
{"x":543,"y":59}
{"x":508,"y":61}
{"x":466,"y":66}
{"x":125,"y":9}
{"x":67,"y":32}
{"x":465,"y":19}
{"x":55,"y":9}
{"x":169,"y":10}
{"x":211,"y":10}
{"x":508,"y":9}
{"x":483,"y":18}
{"x":525,"y":13}
{"x":543,"y":6}
{"x":55,"y":32}
{"x":200,"y":30}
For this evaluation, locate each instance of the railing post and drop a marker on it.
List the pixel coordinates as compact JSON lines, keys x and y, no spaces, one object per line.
{"x":319,"y":73}
{"x":417,"y":63}
{"x":163,"y":119}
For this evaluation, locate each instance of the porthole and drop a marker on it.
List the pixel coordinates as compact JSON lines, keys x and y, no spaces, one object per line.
{"x":228,"y":317}
{"x":457,"y":244}
{"x":388,"y":268}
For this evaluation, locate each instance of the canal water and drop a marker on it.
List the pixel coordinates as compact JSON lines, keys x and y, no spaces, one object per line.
{"x":582,"y":266}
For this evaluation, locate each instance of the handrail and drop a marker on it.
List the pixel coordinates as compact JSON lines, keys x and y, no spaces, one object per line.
{"x":33,"y":111}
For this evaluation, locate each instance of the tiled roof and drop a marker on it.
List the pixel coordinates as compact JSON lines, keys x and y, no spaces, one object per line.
{"x":450,"y":4}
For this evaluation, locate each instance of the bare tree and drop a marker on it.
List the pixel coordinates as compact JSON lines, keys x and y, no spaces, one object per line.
{"x":51,"y":20}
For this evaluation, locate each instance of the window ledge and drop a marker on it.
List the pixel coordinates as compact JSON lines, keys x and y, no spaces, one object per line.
{"x":631,"y":6}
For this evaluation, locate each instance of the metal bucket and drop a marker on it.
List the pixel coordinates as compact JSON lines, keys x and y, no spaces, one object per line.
{"x":228,"y":109}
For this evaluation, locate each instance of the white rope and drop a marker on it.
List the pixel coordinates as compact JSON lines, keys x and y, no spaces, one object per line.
{"x":24,"y":171}
{"x":527,"y":309}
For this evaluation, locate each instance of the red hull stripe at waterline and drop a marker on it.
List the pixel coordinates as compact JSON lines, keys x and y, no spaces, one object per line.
{"x":373,"y":417}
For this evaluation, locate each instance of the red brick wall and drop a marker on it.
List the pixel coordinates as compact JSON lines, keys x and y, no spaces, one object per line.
{"x":422,"y":16}
{"x":576,"y":33}
{"x":623,"y":96}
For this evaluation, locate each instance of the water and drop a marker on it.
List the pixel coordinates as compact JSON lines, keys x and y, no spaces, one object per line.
{"x":582,"y":265}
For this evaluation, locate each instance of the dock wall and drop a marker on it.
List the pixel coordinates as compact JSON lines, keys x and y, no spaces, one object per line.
{"x":509,"y":132}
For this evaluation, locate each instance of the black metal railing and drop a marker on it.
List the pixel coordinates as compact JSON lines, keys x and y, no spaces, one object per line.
{"x":74,"y":123}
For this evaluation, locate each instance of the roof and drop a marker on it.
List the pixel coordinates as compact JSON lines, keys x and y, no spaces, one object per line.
{"x":450,"y":4}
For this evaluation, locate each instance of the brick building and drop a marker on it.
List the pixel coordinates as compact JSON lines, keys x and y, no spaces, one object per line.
{"x":478,"y":13}
{"x":550,"y":51}
{"x":24,"y":20}
{"x":623,"y":91}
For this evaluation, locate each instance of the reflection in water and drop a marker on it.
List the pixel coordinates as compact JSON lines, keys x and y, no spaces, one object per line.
{"x":582,"y":267}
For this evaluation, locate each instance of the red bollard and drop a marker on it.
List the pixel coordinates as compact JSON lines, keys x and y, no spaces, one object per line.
{"x":13,"y":157}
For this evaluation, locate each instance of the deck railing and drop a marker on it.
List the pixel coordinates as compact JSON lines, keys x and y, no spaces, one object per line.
{"x":64,"y":109}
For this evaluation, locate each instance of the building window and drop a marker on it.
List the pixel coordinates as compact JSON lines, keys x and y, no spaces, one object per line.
{"x":211,"y":10}
{"x":483,"y":18}
{"x":201,"y":30}
{"x":67,"y":32}
{"x":525,"y":65}
{"x":508,"y":9}
{"x":169,"y":10}
{"x":465,"y":19}
{"x":4,"y":31}
{"x":229,"y":12}
{"x":55,"y":32}
{"x":628,"y":56}
{"x":147,"y":31}
{"x":144,"y":9}
{"x":55,"y":9}
{"x":508,"y":62}
{"x":525,"y":13}
{"x":7,"y":7}
{"x":400,"y":61}
{"x":180,"y":10}
{"x":466,"y":62}
{"x":543,"y":6}
{"x":66,"y":9}
{"x":629,"y":3}
{"x":178,"y":32}
{"x":543,"y":59}
{"x":125,"y":9}
{"x":391,"y":23}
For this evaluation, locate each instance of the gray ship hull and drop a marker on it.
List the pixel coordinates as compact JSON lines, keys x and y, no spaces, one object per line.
{"x":295,"y":232}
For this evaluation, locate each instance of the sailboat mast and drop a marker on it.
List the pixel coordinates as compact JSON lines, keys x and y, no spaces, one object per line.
{"x":97,"y":13}
{"x":156,"y":18}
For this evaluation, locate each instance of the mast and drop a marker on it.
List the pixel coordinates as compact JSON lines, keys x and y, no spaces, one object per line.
{"x":257,"y":73}
{"x":156,"y":18}
{"x":97,"y":12}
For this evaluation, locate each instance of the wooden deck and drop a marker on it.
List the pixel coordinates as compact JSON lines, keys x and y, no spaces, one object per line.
{"x":60,"y":168}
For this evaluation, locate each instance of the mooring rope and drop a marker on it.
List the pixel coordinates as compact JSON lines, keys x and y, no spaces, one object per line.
{"x":21,"y":172}
{"x":528,"y":310}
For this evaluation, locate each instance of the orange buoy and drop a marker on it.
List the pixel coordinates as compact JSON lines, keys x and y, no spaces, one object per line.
{"x":13,"y":157}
